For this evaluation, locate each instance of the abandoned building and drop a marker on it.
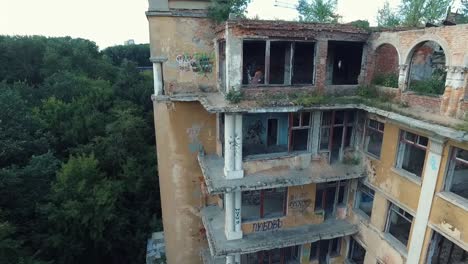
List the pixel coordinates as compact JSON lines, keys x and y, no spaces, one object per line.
{"x":287,"y":142}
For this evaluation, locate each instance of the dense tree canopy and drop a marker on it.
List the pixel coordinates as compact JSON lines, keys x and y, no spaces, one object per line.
{"x":322,"y":11}
{"x":78,"y":179}
{"x":219,"y":10}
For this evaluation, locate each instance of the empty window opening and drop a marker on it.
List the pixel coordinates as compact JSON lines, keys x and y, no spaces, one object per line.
{"x":299,"y":131}
{"x":444,"y":251}
{"x":330,"y":195}
{"x":365,"y":199}
{"x":356,"y":253}
{"x":344,"y":62}
{"x":262,"y":204}
{"x":427,"y":68}
{"x":265,"y":133}
{"x":253,"y":62}
{"x":374,"y":137}
{"x":336,"y":133}
{"x":457,"y":175}
{"x":280,"y":57}
{"x":386,"y":66}
{"x":399,"y":224}
{"x":325,"y":249}
{"x":273,"y":256}
{"x":222,"y":64}
{"x":412,"y":153}
{"x":303,"y":63}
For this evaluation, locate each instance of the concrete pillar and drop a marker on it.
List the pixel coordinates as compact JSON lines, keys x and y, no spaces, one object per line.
{"x":315,"y":136}
{"x":402,"y":77}
{"x":232,"y":220}
{"x":453,"y":93}
{"x":233,"y":146}
{"x":230,"y":260}
{"x":233,"y":61}
{"x":429,"y":180}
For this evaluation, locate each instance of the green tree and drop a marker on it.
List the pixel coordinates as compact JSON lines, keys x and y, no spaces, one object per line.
{"x":464,"y":12}
{"x":322,"y":11}
{"x":387,"y":17}
{"x":219,"y":10}
{"x":139,"y":54}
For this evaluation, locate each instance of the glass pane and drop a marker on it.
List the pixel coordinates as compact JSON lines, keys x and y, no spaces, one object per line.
{"x":351,"y":116}
{"x":339,"y":117}
{"x":296,"y":118}
{"x":365,"y":200}
{"x":305,"y":118}
{"x":409,"y":136}
{"x":273,"y":202}
{"x":357,"y":252}
{"x":319,"y":199}
{"x":399,"y":227}
{"x":462,"y":154}
{"x":250,"y":205}
{"x":374,"y":142}
{"x":324,"y":138}
{"x":313,"y":250}
{"x":335,"y":247}
{"x":423,"y":141}
{"x":326,"y":118}
{"x":413,"y":159}
{"x":460,"y":179}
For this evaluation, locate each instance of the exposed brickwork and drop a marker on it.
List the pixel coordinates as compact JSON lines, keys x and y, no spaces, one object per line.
{"x":386,"y":60}
{"x":432,"y":104}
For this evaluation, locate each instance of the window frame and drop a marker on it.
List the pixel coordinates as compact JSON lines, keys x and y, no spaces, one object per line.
{"x":395,"y":208}
{"x":288,"y":81}
{"x":361,"y":189}
{"x":330,"y":253}
{"x":262,"y":205}
{"x":347,"y":128}
{"x":402,"y":144}
{"x":301,"y":126}
{"x":351,"y":250}
{"x":454,"y":160}
{"x":375,"y":130}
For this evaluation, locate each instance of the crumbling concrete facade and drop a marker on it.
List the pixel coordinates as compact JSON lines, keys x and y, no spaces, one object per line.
{"x":283,"y":177}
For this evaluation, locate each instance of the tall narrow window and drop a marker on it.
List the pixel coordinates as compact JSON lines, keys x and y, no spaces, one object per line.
{"x":374,"y":137}
{"x":399,"y":224}
{"x":222,"y":64}
{"x":303,"y":63}
{"x":412,"y":152}
{"x":457,"y":174}
{"x":300,"y":131}
{"x":365,"y":199}
{"x":356,"y":252}
{"x":272,"y":132}
{"x":253,"y":62}
{"x":280,"y":56}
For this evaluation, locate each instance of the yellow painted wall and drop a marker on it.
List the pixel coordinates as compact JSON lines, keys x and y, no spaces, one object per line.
{"x":179,"y":39}
{"x":384,"y":178}
{"x":295,"y":215}
{"x":181,"y":129}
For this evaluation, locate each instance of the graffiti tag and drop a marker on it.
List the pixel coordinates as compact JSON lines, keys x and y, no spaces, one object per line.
{"x":198,"y":62}
{"x":300,"y":204}
{"x":267,"y":225}
{"x":237,"y":218}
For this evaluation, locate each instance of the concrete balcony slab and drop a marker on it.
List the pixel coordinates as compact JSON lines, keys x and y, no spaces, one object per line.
{"x":213,"y":220}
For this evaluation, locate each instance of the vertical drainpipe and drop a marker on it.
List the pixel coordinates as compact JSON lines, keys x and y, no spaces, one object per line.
{"x":431,"y":171}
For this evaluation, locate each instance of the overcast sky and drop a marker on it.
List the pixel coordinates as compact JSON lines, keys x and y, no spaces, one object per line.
{"x":111,"y":22}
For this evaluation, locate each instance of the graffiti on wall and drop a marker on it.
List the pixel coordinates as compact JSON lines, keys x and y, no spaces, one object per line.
{"x":201,"y":63}
{"x":269,"y":225}
{"x":254,"y":133}
{"x":299,"y":202}
{"x":193,"y":133}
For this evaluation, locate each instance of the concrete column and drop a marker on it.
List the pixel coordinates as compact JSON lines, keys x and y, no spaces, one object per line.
{"x":431,"y":171}
{"x":233,"y":146}
{"x":230,"y":260}
{"x":315,"y":137}
{"x":232,"y":221}
{"x":402,"y":77}
{"x":233,"y":61}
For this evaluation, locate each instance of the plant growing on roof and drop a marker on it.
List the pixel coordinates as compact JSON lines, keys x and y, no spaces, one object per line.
{"x":234,"y":96}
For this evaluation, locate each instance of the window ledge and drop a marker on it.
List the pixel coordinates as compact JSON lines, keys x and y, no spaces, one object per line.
{"x":410,"y":176}
{"x":454,"y":199}
{"x":252,"y":221}
{"x":397,"y":245}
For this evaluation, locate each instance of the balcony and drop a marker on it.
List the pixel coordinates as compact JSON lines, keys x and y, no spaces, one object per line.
{"x":213,"y":220}
{"x":293,"y":174}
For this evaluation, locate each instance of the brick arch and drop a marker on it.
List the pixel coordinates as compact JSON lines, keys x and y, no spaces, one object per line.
{"x":388,"y":41}
{"x":428,"y":37}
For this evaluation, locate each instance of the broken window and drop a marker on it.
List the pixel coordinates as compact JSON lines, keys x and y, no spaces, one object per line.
{"x":356,"y":253}
{"x":457,"y":174}
{"x":329,"y":195}
{"x":300,"y":131}
{"x":324,"y":249}
{"x":427,"y":68}
{"x":222,"y":64}
{"x":303,"y":63}
{"x":399,"y":224}
{"x":267,"y":203}
{"x":412,"y":152}
{"x":253,"y":62}
{"x":336,"y":133}
{"x":444,"y":251}
{"x":278,"y":62}
{"x":265,"y":133}
{"x":344,"y":62}
{"x":365,"y":199}
{"x":374,"y":137}
{"x":273,"y":256}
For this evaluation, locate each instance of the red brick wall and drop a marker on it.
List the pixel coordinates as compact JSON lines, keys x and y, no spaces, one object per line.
{"x":386,"y":60}
{"x":431,"y":104}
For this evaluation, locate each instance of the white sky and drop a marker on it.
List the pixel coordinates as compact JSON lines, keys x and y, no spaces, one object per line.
{"x":111,"y":22}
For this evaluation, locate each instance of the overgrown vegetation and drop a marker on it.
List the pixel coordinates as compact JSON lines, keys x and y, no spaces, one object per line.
{"x":219,"y":10}
{"x":78,"y":178}
{"x":434,"y":86}
{"x":234,"y":96}
{"x":387,"y":80}
{"x":322,"y":11}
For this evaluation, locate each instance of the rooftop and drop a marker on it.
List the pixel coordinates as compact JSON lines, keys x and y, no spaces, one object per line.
{"x":317,"y":172}
{"x":213,"y":220}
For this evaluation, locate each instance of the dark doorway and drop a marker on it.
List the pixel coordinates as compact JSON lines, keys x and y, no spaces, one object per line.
{"x":344,"y":61}
{"x":272,"y":132}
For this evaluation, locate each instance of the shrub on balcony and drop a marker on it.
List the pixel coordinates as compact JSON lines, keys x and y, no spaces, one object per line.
{"x":387,"y":80}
